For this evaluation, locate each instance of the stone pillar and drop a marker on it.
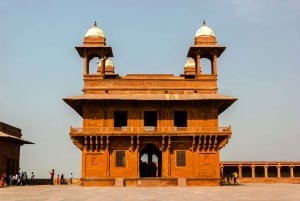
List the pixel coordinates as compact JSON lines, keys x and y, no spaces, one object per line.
{"x":198,"y":65}
{"x":169,"y":156}
{"x":102,"y":69}
{"x":221,"y":171}
{"x":214,"y":65}
{"x":292,"y":171}
{"x":85,"y":143}
{"x":266,"y":171}
{"x":240,"y":171}
{"x":253,"y":170}
{"x":138,"y":155}
{"x":278,"y":172}
{"x":86,"y":66}
{"x":108,"y":156}
{"x":83,"y":164}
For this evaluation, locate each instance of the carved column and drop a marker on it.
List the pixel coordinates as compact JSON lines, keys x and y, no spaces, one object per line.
{"x":102,"y":68}
{"x":240,"y":171}
{"x":138,"y":155}
{"x":253,"y":170}
{"x":222,"y":171}
{"x":96,"y":142}
{"x":108,"y":155}
{"x":85,"y":143}
{"x":278,"y":171}
{"x":86,"y":66}
{"x":169,"y":156}
{"x":214,"y":65}
{"x":83,"y":165}
{"x":91,"y":143}
{"x":198,"y":65}
{"x":292,"y":171}
{"x":266,"y":171}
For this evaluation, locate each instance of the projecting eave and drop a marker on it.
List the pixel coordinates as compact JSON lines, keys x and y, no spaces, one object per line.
{"x":223,"y":102}
{"x":204,"y":49}
{"x":105,"y":50}
{"x":14,"y":138}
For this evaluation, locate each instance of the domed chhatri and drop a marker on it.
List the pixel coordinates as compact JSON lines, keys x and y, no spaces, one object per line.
{"x":94,"y":36}
{"x":95,"y":31}
{"x":204,"y":30}
{"x":189,"y":66}
{"x":108,"y":62}
{"x":109,"y":67}
{"x":205,"y":36}
{"x":190,"y":62}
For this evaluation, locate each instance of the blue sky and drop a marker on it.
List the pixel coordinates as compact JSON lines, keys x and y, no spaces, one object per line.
{"x":260,"y":66}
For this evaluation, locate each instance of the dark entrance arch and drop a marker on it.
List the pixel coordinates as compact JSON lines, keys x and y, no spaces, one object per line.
{"x":150,"y":161}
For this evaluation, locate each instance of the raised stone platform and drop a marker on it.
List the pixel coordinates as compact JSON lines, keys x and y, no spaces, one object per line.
{"x":242,"y":192}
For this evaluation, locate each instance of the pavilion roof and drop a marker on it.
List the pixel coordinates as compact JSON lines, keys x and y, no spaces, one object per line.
{"x":76,"y":101}
{"x":20,"y":140}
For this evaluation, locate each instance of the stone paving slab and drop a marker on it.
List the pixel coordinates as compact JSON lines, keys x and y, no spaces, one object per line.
{"x":246,"y":192}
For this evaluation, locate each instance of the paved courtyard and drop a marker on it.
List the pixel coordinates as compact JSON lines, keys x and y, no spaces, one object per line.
{"x":261,"y":192}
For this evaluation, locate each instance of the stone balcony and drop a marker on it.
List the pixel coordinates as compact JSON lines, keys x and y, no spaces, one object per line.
{"x":150,"y":130}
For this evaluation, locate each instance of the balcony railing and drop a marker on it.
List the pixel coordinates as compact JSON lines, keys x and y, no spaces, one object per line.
{"x":124,"y":130}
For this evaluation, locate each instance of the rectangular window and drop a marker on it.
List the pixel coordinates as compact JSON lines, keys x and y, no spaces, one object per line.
{"x":180,"y":159}
{"x":150,"y":119}
{"x":120,"y":119}
{"x":120,"y":158}
{"x":180,"y":118}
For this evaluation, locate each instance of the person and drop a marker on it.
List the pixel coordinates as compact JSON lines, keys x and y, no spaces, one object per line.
{"x":32,"y":178}
{"x":18,"y":178}
{"x":10,"y":179}
{"x":51,"y":176}
{"x":235,"y":175}
{"x":2,"y":181}
{"x":25,"y":178}
{"x":228,"y":178}
{"x":22,"y":179}
{"x":71,"y":178}
{"x":62,"y":179}
{"x":57,"y":179}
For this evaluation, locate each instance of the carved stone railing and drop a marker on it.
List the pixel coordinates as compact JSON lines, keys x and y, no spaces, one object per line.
{"x":93,"y":82}
{"x":149,"y":130}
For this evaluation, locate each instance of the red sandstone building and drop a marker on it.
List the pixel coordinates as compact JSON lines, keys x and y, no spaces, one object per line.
{"x":153,"y":129}
{"x":10,"y":142}
{"x":143,"y":126}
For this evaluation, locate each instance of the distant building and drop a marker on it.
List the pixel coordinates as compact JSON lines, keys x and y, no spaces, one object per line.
{"x":150,"y":129}
{"x":262,"y":171}
{"x":10,"y":142}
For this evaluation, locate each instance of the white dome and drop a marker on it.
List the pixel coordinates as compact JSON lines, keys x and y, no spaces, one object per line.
{"x":95,"y":31}
{"x":108,"y":62}
{"x":190,"y":62}
{"x":204,"y":31}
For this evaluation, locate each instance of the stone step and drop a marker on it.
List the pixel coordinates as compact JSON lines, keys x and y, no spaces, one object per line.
{"x":154,"y":181}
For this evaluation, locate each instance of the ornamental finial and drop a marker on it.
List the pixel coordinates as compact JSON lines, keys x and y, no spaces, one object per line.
{"x":203,"y":24}
{"x":95,"y":24}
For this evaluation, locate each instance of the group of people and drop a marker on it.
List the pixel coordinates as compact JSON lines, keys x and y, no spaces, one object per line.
{"x":148,"y":169}
{"x":233,"y":176}
{"x":20,"y":179}
{"x":60,"y":179}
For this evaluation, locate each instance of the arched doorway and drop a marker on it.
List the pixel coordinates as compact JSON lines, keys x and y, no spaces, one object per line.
{"x":150,"y":161}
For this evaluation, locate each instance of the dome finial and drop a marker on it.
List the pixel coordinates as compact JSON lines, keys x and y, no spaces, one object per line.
{"x":203,"y":24}
{"x":95,"y":24}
